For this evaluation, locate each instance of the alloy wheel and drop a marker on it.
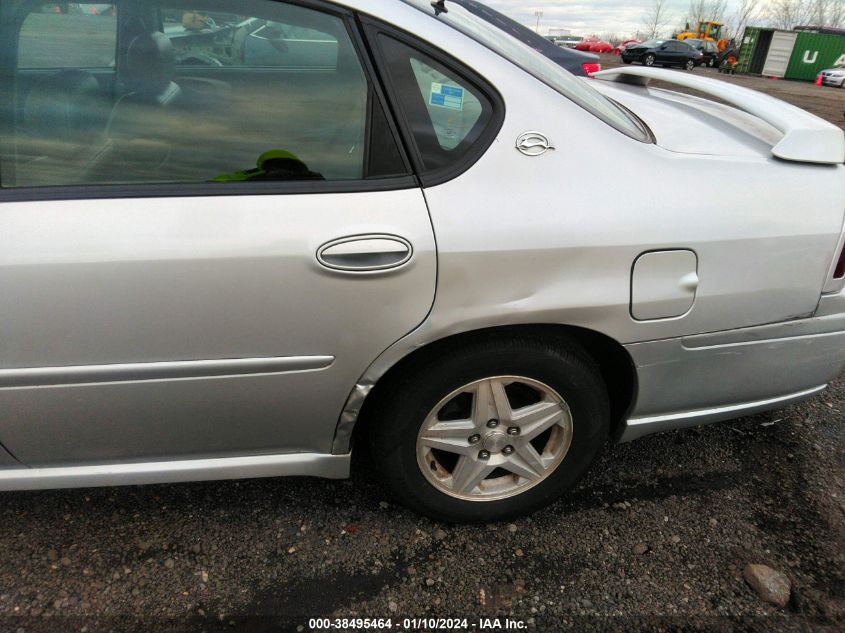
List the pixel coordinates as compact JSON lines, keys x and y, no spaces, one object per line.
{"x":494,"y":438}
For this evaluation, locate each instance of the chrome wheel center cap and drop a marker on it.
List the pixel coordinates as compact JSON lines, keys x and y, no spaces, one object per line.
{"x":496,"y":441}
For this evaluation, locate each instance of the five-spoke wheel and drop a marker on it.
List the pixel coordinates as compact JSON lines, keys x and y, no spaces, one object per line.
{"x":494,"y":438}
{"x":490,"y":428}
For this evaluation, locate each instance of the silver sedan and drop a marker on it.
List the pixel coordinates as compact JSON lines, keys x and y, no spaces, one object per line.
{"x":386,"y":233}
{"x":833,"y":77}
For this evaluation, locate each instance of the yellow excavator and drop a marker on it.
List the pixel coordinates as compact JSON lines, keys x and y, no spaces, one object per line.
{"x":706,"y":31}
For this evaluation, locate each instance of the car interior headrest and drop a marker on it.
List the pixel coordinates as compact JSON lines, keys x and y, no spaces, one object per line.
{"x":150,"y":63}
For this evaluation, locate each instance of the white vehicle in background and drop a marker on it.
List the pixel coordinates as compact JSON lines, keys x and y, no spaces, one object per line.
{"x":833,"y":77}
{"x":567,"y":41}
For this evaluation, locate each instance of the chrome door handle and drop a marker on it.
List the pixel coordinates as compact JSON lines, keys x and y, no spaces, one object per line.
{"x":365,"y":253}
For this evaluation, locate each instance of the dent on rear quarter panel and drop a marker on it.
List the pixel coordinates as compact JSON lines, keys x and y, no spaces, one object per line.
{"x":545,"y":240}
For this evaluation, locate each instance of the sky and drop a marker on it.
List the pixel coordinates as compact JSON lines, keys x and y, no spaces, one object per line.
{"x":594,"y":16}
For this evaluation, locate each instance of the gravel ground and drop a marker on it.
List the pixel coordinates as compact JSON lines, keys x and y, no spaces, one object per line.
{"x":655,"y":538}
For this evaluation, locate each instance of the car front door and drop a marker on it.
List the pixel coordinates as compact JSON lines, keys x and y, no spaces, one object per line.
{"x":207,"y":268}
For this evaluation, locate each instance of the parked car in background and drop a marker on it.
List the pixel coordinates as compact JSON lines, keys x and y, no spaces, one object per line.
{"x":577,"y":62}
{"x":621,"y":47}
{"x":566,"y":41}
{"x":833,"y":77}
{"x":586,"y":43}
{"x":663,"y":53}
{"x":601,"y":47}
{"x":709,"y":51}
{"x":216,"y":271}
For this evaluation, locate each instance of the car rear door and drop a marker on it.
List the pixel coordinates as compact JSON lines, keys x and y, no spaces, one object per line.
{"x":210,"y":273}
{"x":678,"y":52}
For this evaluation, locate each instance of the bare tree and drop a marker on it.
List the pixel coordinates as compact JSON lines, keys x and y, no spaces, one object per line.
{"x":706,"y":10}
{"x":828,"y":12}
{"x":612,"y":38}
{"x":786,"y":14}
{"x":656,"y":19}
{"x":746,"y":11}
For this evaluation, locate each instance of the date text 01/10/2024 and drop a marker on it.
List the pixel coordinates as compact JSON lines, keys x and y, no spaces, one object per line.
{"x":416,"y":624}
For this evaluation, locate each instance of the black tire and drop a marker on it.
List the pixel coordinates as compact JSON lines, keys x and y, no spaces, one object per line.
{"x":557,"y":362}
{"x":689,"y":65}
{"x":711,"y":62}
{"x":649,"y":60}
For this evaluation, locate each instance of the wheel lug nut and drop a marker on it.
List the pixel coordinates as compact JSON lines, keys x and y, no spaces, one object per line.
{"x":513,"y":430}
{"x":474,"y":439}
{"x":484,"y":455}
{"x":507,"y":450}
{"x":492,"y":424}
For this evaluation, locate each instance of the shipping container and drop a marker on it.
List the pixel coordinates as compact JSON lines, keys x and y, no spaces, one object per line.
{"x":747,"y":48}
{"x":766,"y":51}
{"x":799,"y":54}
{"x":813,"y":53}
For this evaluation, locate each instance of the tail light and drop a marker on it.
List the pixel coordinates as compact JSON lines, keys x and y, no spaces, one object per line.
{"x":591,"y":68}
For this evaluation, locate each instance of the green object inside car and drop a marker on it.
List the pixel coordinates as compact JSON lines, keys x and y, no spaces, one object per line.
{"x":275,"y":164}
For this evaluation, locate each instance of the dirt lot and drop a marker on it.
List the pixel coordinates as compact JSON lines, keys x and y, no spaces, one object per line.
{"x":656,"y":538}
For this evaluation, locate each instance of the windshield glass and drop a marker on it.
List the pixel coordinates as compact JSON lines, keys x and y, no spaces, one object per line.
{"x":577,"y":90}
{"x":653,"y":43}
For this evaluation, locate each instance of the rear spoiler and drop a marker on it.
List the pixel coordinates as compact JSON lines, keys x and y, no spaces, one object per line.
{"x":806,"y":137}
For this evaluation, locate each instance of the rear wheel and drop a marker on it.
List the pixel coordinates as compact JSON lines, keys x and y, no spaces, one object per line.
{"x":690,"y":65}
{"x":711,"y":62}
{"x":648,"y":60}
{"x":496,"y":429}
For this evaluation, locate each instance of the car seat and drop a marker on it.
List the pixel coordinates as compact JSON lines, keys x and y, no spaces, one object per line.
{"x":64,"y":116}
{"x":146,"y":123}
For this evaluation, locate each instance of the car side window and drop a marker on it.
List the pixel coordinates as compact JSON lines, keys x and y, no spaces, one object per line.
{"x":446,"y":112}
{"x":68,"y":35}
{"x":266,"y":91}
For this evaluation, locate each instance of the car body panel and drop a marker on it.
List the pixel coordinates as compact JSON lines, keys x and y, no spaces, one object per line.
{"x":703,"y":370}
{"x":759,"y":261}
{"x":189,"y":280}
{"x":116,"y":315}
{"x":7,"y":460}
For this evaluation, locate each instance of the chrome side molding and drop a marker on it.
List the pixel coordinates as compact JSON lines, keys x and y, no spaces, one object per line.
{"x":130,"y":372}
{"x":639,"y":427}
{"x":296,"y":464}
